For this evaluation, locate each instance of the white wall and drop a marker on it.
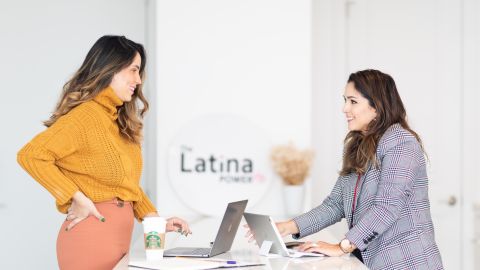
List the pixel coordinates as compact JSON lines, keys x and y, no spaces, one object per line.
{"x":471,"y":67}
{"x":245,"y":57}
{"x":42,"y":45}
{"x":329,"y":74}
{"x":471,"y":127}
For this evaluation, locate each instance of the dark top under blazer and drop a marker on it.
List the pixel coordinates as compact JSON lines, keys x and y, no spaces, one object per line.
{"x":392,"y":224}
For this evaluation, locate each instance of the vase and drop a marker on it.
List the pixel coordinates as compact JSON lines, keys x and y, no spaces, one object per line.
{"x":294,"y":199}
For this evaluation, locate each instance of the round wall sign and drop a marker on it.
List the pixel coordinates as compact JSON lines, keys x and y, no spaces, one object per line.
{"x":218,"y":159}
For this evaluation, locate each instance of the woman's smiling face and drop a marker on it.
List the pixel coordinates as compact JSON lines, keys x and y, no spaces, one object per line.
{"x":126,"y":80}
{"x":357,"y":109}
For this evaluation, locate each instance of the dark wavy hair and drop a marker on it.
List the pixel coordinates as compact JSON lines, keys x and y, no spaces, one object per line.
{"x":108,"y":56}
{"x":382,"y":95}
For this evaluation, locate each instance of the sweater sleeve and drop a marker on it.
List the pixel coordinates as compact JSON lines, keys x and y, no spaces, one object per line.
{"x":143,"y":207}
{"x":39,"y":158}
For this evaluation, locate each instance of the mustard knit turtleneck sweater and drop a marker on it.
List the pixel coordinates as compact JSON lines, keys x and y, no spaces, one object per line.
{"x":84,"y":151}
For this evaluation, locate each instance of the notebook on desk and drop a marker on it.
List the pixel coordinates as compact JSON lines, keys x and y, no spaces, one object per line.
{"x":190,"y":264}
{"x":264,"y":230}
{"x":223,"y":240}
{"x":175,"y":264}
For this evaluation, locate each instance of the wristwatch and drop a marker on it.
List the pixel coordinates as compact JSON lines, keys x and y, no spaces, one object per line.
{"x":346,"y":246}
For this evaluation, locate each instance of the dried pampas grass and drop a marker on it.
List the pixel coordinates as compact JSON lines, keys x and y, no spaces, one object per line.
{"x":291,"y":164}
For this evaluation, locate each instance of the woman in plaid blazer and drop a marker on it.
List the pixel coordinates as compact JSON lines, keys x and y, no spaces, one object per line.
{"x":382,"y":190}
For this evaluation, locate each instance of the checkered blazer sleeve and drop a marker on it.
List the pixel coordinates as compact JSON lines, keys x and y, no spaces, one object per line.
{"x":329,"y":212}
{"x":398,"y":167}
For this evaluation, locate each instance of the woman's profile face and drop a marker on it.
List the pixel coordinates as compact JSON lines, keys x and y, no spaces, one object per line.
{"x":358,"y":111}
{"x":126,"y":80}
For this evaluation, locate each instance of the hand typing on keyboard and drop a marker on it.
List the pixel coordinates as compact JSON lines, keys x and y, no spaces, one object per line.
{"x":332,"y":250}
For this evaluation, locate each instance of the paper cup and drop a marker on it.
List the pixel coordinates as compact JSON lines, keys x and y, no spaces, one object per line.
{"x":154,"y":237}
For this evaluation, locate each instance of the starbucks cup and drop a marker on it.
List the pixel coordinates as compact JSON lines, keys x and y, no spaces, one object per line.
{"x":154,"y":237}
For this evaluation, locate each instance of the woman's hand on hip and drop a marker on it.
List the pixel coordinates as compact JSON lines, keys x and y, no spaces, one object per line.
{"x":82,"y":207}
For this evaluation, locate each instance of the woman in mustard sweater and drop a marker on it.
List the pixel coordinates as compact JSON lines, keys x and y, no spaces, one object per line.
{"x":89,"y":158}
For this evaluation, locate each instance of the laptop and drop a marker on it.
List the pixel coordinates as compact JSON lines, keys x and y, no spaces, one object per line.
{"x":263,"y":229}
{"x":225,"y":235}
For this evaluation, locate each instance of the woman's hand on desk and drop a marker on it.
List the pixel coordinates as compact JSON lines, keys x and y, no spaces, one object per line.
{"x":287,"y":227}
{"x":284,"y":228}
{"x":81,"y":208}
{"x":175,"y":224}
{"x":332,"y":250}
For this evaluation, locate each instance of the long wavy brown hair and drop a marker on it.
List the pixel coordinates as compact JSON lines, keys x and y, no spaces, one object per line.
{"x":108,"y":56}
{"x":382,"y":95}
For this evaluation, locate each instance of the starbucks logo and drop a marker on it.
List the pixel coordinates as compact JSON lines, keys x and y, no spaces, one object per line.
{"x":153,"y":240}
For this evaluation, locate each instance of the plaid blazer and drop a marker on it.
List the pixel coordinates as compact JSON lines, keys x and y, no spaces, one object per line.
{"x":392,"y":225}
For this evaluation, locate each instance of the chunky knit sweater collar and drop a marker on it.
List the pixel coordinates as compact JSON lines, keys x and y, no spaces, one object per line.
{"x":109,"y":101}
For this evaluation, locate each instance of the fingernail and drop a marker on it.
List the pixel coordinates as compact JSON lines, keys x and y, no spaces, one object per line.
{"x":102,"y":219}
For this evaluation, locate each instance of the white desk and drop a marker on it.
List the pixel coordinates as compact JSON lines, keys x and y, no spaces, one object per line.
{"x":205,"y":229}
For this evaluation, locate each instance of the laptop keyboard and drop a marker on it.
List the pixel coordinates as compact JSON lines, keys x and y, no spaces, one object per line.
{"x":199,"y":251}
{"x":297,"y":254}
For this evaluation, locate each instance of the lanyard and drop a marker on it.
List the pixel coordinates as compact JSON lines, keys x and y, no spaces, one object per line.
{"x":355,"y":197}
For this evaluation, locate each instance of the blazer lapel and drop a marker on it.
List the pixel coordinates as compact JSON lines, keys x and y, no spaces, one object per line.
{"x":366,"y":191}
{"x":348,"y":197}
{"x":350,"y":191}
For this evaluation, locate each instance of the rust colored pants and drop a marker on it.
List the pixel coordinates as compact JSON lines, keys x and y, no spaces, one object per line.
{"x":92,"y":244}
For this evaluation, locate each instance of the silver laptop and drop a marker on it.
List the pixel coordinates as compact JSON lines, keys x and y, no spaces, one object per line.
{"x":224,"y":239}
{"x":263,"y":229}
